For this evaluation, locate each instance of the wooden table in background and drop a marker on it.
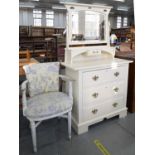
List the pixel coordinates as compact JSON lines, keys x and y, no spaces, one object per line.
{"x":23,"y":62}
{"x":131,"y":79}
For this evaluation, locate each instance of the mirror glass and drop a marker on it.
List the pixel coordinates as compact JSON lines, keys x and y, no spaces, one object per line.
{"x":87,"y":25}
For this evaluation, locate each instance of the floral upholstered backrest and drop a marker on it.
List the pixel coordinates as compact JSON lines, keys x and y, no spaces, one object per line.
{"x":42,"y":77}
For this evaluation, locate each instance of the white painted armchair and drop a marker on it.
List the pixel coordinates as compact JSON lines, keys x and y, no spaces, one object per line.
{"x":45,"y":101}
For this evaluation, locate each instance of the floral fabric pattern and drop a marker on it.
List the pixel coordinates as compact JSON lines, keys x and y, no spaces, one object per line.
{"x":47,"y":104}
{"x":42,"y":78}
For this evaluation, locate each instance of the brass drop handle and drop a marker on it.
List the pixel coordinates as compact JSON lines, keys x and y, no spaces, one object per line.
{"x":115,"y":104}
{"x":94,"y":111}
{"x":95,"y":78}
{"x":116,"y":74}
{"x":95,"y":95}
{"x":116,"y":89}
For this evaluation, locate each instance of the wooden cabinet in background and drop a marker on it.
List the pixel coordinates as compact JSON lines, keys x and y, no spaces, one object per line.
{"x":124,"y":34}
{"x":23,"y":31}
{"x":42,"y":40}
{"x":61,"y":53}
{"x":38,"y":31}
{"x":131,"y":79}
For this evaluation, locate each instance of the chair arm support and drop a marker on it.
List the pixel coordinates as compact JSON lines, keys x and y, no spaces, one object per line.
{"x":24,"y":100}
{"x":24,"y":84}
{"x":68,"y":81}
{"x":66,"y":78}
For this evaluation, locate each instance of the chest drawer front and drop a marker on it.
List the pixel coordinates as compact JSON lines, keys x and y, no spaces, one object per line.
{"x":117,"y":74}
{"x":93,"y":112}
{"x":94,"y":77}
{"x":100,"y":93}
{"x":116,"y":89}
{"x":97,"y":77}
{"x":103,"y":108}
{"x":94,"y":94}
{"x":115,"y":104}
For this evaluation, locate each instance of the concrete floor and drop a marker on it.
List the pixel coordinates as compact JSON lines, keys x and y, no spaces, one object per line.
{"x":116,"y":135}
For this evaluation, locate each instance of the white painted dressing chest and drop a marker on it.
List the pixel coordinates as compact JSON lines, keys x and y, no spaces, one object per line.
{"x":100,"y":80}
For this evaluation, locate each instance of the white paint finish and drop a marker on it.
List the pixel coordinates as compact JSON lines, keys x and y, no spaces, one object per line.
{"x":71,"y":54}
{"x":103,"y":92}
{"x":84,"y":103}
{"x":69,"y":125}
{"x":102,"y":76}
{"x":84,"y":86}
{"x":88,"y":65}
{"x":100,"y":82}
{"x":33,"y":134}
{"x":102,"y":9}
{"x":104,"y":107}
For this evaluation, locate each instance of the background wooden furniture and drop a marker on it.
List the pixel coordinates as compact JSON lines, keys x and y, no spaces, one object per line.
{"x":131,"y":79}
{"x":38,"y":31}
{"x":25,"y":54}
{"x":40,"y":46}
{"x":123,"y":33}
{"x":60,"y":45}
{"x":126,"y":35}
{"x":126,"y":47}
{"x":42,"y":41}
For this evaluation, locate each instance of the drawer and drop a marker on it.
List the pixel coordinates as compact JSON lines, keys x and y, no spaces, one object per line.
{"x":92,"y":113}
{"x":120,"y":73}
{"x":114,"y":104}
{"x":116,"y":89}
{"x":94,"y":77}
{"x":100,"y":93}
{"x":97,"y":77}
{"x":94,"y":94}
{"x":104,"y":108}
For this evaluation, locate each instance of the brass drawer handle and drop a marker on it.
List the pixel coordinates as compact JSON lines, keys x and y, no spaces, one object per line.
{"x":94,"y":111}
{"x":95,"y":78}
{"x":116,"y":74}
{"x":115,"y":104}
{"x":95,"y":95}
{"x":116,"y":89}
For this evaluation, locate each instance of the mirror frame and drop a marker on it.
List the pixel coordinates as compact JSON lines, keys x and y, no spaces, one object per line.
{"x":102,"y":9}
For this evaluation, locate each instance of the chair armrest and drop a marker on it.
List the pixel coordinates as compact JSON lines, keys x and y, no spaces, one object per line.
{"x":66,"y":78}
{"x":68,"y":81}
{"x":24,"y":99}
{"x":24,"y":85}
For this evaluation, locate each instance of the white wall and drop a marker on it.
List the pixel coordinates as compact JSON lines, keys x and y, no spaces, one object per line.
{"x":59,"y":19}
{"x":26,"y":18}
{"x":113,"y":20}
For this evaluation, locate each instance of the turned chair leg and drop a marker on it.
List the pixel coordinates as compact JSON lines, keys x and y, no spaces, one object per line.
{"x":33,"y":133}
{"x":69,"y":124}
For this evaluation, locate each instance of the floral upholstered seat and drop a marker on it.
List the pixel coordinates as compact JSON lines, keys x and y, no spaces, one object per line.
{"x":45,"y":101}
{"x":47,"y":104}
